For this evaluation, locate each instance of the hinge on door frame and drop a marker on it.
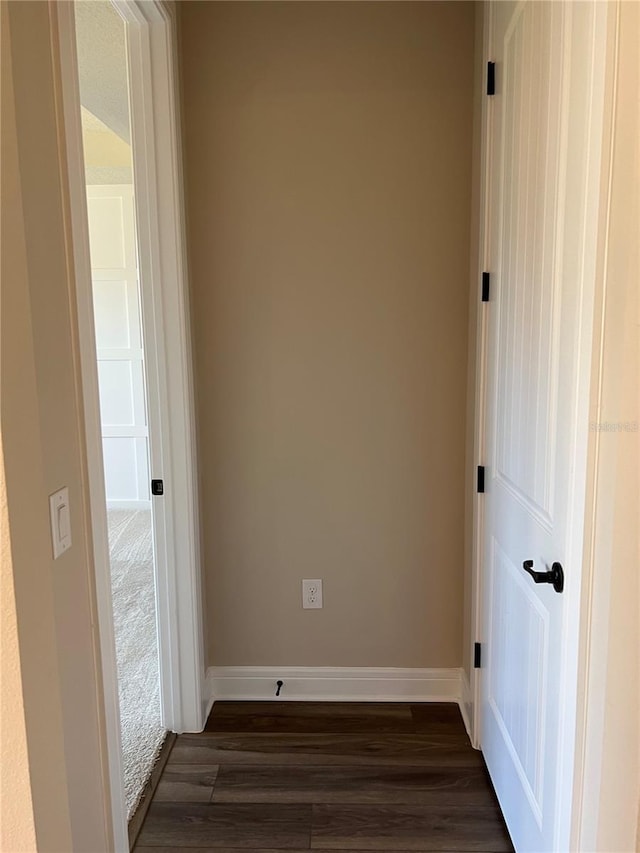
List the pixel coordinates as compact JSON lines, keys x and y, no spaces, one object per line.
{"x":491,"y":78}
{"x":486,"y":283}
{"x":480,"y":480}
{"x":157,"y":487}
{"x":477,"y":655}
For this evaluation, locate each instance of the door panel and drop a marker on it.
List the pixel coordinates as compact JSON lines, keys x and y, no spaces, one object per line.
{"x":538,"y":363}
{"x":520,"y":638}
{"x":526,"y":356}
{"x":523,"y":620}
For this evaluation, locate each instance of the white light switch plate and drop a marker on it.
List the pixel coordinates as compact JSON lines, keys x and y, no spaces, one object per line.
{"x":60,"y":522}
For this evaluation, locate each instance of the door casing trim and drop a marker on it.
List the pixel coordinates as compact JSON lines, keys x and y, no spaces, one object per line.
{"x":156,"y":142}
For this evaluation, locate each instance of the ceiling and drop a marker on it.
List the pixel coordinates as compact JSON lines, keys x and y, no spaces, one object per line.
{"x":102,"y":64}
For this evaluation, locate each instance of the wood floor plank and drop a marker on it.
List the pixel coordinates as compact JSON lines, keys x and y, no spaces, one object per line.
{"x":331,"y":710}
{"x":187,"y":783}
{"x":186,"y":825}
{"x":271,"y":850}
{"x":331,"y":776}
{"x":423,"y":828}
{"x":382,"y":785}
{"x":310,"y":717}
{"x":431,"y":716}
{"x":422,"y":750}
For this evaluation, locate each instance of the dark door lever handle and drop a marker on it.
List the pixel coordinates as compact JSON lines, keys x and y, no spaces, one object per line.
{"x":555,"y":576}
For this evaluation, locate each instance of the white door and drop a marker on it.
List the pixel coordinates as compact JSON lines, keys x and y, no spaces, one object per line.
{"x":116,"y":301}
{"x":541,"y":121}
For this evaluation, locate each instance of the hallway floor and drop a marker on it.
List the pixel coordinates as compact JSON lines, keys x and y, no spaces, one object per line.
{"x":325,"y":776}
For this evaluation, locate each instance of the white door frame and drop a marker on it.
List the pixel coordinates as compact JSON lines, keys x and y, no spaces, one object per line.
{"x":155,"y":132}
{"x":581,"y":779}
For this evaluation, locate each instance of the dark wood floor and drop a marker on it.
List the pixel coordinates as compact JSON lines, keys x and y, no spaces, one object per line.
{"x":325,"y":776}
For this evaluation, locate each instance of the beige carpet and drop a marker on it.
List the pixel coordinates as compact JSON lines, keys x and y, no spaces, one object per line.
{"x":136,"y":646}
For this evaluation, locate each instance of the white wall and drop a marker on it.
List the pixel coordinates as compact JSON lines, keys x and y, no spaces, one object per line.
{"x":119,"y":343}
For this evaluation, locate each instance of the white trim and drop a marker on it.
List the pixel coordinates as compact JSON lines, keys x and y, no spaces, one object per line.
{"x":155,"y":133}
{"x":340,"y":684}
{"x":466,"y":704}
{"x":479,"y":408}
{"x":209,"y":687}
{"x":152,"y":48}
{"x":596,"y":584}
{"x":592,"y":27}
{"x":91,"y":401}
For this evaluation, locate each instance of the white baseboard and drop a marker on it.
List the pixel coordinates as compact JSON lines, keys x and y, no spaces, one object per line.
{"x":328,"y":684}
{"x":466,"y":708}
{"x":208,"y":697}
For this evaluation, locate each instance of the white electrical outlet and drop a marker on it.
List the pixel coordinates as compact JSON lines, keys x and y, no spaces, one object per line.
{"x":311,"y":594}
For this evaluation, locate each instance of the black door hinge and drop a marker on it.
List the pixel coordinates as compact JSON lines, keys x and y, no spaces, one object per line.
{"x":477,"y":655}
{"x":491,"y":78}
{"x":157,"y":487}
{"x":486,"y":282}
{"x":480,"y":483}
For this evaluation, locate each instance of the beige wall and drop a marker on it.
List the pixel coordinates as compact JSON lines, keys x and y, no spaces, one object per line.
{"x":105,"y":148}
{"x":107,"y":157}
{"x":40,"y":413}
{"x":328,"y":159}
{"x":17,"y":828}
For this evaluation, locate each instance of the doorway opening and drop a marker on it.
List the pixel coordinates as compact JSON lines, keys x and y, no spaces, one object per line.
{"x":164,"y":382}
{"x":121,"y":368}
